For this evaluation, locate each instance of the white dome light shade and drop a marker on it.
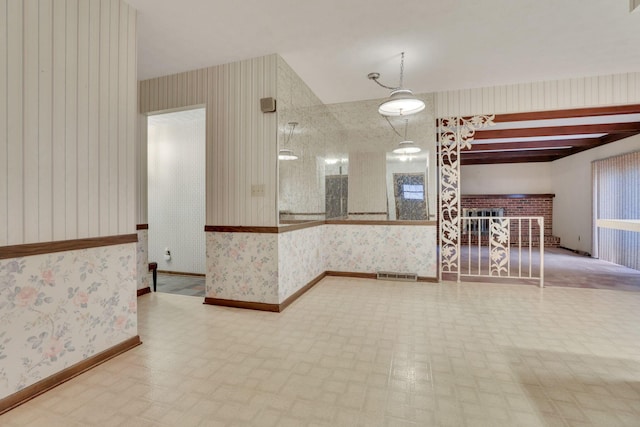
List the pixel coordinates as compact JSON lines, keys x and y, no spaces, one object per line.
{"x":407,"y":147}
{"x":401,"y":102}
{"x":286,"y":154}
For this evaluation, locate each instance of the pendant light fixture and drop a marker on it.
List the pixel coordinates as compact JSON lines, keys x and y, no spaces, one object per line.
{"x":401,"y":102}
{"x":287,"y":153}
{"x":406,"y":146}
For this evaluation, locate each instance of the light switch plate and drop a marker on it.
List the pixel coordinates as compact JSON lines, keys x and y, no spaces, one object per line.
{"x":257,"y":190}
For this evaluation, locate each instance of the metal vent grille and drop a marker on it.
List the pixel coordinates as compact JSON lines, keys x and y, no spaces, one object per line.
{"x":392,"y":275}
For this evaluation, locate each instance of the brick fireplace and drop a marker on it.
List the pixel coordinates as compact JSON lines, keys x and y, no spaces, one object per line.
{"x":511,"y":205}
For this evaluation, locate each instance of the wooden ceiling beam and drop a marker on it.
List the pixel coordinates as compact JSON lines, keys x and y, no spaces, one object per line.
{"x":557,"y":130}
{"x":613,"y":137}
{"x":567,"y":114}
{"x":501,"y":160}
{"x":528,"y":153}
{"x":606,"y":139}
{"x":582,"y":142}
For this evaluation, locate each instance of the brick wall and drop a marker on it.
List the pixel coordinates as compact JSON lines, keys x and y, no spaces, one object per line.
{"x":518,"y":205}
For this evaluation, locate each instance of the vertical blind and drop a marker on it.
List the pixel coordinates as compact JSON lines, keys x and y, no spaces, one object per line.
{"x":616,"y":195}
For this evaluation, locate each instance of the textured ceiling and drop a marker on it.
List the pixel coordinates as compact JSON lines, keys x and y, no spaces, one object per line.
{"x":333,"y":44}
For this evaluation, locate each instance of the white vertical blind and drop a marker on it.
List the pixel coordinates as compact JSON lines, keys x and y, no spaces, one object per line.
{"x":616,"y":188}
{"x":67,"y":119}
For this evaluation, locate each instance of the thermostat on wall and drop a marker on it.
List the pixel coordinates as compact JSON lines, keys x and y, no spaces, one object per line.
{"x":268,"y":105}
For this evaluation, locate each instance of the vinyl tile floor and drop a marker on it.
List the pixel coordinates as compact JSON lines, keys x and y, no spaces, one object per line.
{"x":357,"y":352}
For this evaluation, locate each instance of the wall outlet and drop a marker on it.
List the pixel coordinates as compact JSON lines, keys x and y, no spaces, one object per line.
{"x":257,"y":190}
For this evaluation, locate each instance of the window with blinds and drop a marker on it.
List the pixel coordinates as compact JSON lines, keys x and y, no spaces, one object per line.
{"x":616,"y":196}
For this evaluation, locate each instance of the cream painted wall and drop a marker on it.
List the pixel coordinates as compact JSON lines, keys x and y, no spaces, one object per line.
{"x":68,"y":76}
{"x":241,"y":140}
{"x":572,"y":206}
{"x":508,"y":178}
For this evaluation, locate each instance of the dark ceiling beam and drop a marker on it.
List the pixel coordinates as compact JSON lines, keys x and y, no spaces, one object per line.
{"x":613,"y":137}
{"x":582,"y":142}
{"x":519,"y":154}
{"x":566,"y":114}
{"x":502,"y":160}
{"x":557,"y":130}
{"x":606,"y":139}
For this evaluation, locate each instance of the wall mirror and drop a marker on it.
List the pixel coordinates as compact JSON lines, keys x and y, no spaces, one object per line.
{"x":337,"y":161}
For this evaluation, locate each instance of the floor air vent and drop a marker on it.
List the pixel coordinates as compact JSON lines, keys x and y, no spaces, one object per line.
{"x":391,"y":275}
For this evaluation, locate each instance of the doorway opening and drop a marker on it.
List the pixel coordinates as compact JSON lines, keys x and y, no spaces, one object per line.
{"x":337,"y":195}
{"x":176,"y":200}
{"x":410,"y":200}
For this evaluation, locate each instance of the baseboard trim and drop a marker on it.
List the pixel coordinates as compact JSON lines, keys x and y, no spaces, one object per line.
{"x":575,"y":251}
{"x":277,"y":308}
{"x":65,"y":375}
{"x":144,"y":291}
{"x":181,"y":273}
{"x":428,"y":279}
{"x":301,"y":291}
{"x":352,"y":274}
{"x":261,"y":306}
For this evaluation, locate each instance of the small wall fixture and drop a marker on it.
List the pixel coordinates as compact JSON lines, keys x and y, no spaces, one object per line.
{"x":401,"y":102}
{"x":286,"y":153}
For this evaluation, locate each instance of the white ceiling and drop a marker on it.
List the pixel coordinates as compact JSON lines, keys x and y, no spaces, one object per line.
{"x":449,"y":44}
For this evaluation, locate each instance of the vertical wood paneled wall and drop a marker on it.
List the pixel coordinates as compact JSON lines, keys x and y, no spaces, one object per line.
{"x":67,"y":119}
{"x":142,"y":172}
{"x":614,"y":89}
{"x":241,"y":140}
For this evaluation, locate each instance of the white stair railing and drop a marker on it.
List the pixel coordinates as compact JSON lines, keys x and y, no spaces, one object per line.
{"x":502,"y":247}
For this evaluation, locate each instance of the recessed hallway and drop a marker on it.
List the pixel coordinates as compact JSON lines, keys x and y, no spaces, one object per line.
{"x":355,"y":352}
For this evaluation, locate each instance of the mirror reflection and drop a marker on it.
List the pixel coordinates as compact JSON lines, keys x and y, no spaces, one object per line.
{"x":346,"y":161}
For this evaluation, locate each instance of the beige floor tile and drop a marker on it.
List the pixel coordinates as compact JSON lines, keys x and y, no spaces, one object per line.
{"x":355,"y":352}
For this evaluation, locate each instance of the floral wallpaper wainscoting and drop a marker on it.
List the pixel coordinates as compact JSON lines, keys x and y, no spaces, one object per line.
{"x":242,"y":266}
{"x":61,"y":308}
{"x":373,"y":248}
{"x":142,"y":250}
{"x":300,"y":259}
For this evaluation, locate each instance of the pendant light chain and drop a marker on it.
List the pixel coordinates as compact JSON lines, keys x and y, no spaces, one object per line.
{"x":401,"y":71}
{"x":287,"y":138}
